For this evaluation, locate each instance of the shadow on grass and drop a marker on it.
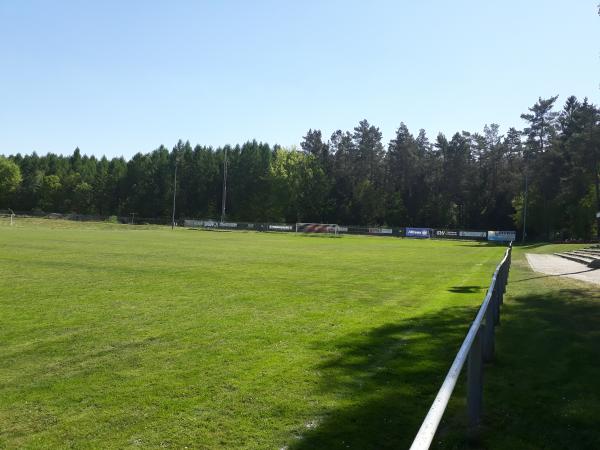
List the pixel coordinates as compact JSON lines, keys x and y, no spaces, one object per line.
{"x":385,"y":380}
{"x":483,"y":244}
{"x":320,"y":235}
{"x":554,"y":275}
{"x":543,"y":390}
{"x":466,"y":289}
{"x":530,"y":246}
{"x":504,"y":244}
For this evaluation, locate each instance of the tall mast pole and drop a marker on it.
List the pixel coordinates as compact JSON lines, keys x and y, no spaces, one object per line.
{"x":174,"y":193}
{"x":525,"y":207}
{"x":224,"y":199}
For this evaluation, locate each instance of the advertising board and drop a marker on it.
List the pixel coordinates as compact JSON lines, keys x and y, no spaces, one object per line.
{"x":380,"y":231}
{"x":421,"y":233}
{"x":274,"y":227}
{"x":502,"y":236}
{"x":473,"y":234}
{"x":445,"y":234}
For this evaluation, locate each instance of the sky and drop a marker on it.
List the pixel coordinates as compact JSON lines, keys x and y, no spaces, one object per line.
{"x":119,"y":77}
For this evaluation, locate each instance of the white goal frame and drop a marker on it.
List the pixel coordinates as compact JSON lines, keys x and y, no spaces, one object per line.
{"x":317,"y":228}
{"x":11,"y":214}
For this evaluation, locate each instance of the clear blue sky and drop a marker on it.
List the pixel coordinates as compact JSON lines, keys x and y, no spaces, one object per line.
{"x":118,"y":77}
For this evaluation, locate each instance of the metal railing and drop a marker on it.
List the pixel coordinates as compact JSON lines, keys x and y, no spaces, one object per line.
{"x":478,"y":347}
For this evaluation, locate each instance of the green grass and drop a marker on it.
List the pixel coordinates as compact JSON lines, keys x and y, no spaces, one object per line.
{"x":141,"y":337}
{"x":543,"y":389}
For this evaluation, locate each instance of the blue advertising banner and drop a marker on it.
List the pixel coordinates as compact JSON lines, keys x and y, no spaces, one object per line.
{"x":502,"y":236}
{"x":422,"y":233}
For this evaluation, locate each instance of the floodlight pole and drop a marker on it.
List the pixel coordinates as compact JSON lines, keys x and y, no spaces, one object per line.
{"x":174,"y":194}
{"x":224,"y":199}
{"x":525,"y":207}
{"x":597,"y":185}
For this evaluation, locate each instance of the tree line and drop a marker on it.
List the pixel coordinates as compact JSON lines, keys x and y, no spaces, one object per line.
{"x":481,"y":180}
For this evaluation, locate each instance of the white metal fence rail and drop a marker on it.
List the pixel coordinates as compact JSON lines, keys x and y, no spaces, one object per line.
{"x":478,"y":347}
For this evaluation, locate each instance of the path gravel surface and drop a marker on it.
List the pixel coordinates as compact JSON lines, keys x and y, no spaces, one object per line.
{"x":555,"y":265}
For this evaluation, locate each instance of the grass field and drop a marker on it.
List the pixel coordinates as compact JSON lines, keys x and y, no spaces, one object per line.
{"x":142,"y":337}
{"x":116,"y":336}
{"x":543,"y":389}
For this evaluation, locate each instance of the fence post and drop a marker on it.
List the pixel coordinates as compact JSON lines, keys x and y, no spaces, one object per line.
{"x":495,"y":302}
{"x":480,"y":349}
{"x":498,"y":303}
{"x":488,"y":336}
{"x":475,"y":382}
{"x":502,"y":283}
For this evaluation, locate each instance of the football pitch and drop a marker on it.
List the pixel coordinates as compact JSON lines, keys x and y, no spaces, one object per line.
{"x":116,"y":336}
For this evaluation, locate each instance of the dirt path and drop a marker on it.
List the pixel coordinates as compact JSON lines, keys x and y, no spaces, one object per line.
{"x":555,"y":265}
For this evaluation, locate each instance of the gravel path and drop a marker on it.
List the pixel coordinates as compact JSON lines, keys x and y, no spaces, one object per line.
{"x":555,"y":265}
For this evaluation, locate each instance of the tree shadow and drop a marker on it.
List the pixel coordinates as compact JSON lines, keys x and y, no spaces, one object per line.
{"x":466,"y":289}
{"x":385,"y":380}
{"x":554,"y":275}
{"x":320,"y":235}
{"x":543,"y":389}
{"x":483,"y":244}
{"x":530,"y":246}
{"x":213,"y":230}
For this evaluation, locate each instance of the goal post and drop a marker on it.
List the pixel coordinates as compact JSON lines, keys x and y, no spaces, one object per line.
{"x":322,"y":228}
{"x":9,"y":216}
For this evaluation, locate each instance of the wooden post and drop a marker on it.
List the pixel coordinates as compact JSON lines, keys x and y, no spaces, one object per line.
{"x":495,"y":304}
{"x":475,"y":382}
{"x":498,"y":302}
{"x":502,"y":283}
{"x":488,"y":336}
{"x":476,"y":348}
